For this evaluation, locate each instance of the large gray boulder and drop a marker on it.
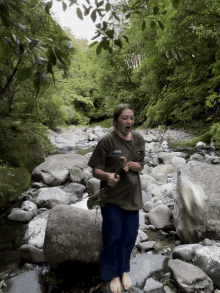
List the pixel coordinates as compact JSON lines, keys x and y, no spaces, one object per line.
{"x":207,"y":258}
{"x":72,"y":234}
{"x":49,"y":197}
{"x":186,"y":252}
{"x":197,"y":206}
{"x":190,"y":278}
{"x":55,"y":169}
{"x":17,"y":214}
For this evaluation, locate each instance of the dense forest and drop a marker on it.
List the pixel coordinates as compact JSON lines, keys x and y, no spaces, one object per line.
{"x":161,"y":56}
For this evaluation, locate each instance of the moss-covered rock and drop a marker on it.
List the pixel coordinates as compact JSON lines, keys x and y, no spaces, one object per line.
{"x":13,"y":182}
{"x":23,"y":144}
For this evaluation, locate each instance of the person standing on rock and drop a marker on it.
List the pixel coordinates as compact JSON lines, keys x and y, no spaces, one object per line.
{"x":120,"y":211}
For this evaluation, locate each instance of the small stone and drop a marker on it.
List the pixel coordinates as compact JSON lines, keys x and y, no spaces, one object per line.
{"x":167,"y":289}
{"x":173,"y":233}
{"x":28,"y":206}
{"x":20,"y":215}
{"x":151,"y":227}
{"x":153,"y":286}
{"x":207,"y":242}
{"x":145,"y":246}
{"x":38,"y":185}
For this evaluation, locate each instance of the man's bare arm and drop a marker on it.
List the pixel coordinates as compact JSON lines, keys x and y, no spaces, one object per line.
{"x":106,"y":176}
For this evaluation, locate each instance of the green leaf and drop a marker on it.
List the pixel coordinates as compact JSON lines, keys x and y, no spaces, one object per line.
{"x":110,"y":50}
{"x":49,"y":67}
{"x":79,"y":13}
{"x":36,"y":82}
{"x":93,"y":15}
{"x":110,"y":34}
{"x":93,"y":44}
{"x":66,"y":58}
{"x":48,"y":6}
{"x":143,"y":25}
{"x":127,"y":16}
{"x":105,"y":25}
{"x":105,"y":43}
{"x":99,"y":49}
{"x":107,"y":7}
{"x":23,"y":74}
{"x":88,"y":2}
{"x":3,"y":50}
{"x":50,"y":70}
{"x":96,"y":36}
{"x":156,"y":10}
{"x":112,"y":63}
{"x":15,"y":7}
{"x":115,"y":16}
{"x":161,"y":25}
{"x":33,"y":44}
{"x":99,"y":12}
{"x":64,"y":6}
{"x":72,"y":2}
{"x":175,"y":3}
{"x":153,"y":24}
{"x":86,"y":12}
{"x":96,"y":3}
{"x":4,"y":15}
{"x":118,"y":43}
{"x":59,"y":55}
{"x":100,"y":3}
{"x":51,"y":56}
{"x":126,"y":39}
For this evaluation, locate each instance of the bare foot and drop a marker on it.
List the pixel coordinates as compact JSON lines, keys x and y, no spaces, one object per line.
{"x":115,"y":285}
{"x":126,"y":281}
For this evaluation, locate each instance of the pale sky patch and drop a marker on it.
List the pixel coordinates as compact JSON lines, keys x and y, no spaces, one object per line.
{"x":80,"y":28}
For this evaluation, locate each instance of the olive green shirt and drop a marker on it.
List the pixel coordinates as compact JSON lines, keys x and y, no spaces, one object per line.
{"x":106,"y":156}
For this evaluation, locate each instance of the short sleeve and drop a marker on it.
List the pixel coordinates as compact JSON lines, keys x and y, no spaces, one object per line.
{"x":99,"y":155}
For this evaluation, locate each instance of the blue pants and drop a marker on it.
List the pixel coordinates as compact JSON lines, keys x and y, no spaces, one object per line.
{"x":119,"y":232}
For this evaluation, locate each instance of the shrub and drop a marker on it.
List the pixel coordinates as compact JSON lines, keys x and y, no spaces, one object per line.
{"x":13,"y":182}
{"x":215,"y":133}
{"x":23,"y":144}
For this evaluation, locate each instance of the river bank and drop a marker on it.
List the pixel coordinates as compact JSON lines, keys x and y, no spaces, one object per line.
{"x":70,"y":142}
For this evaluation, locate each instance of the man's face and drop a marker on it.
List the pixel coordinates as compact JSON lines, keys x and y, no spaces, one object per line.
{"x":125,"y":121}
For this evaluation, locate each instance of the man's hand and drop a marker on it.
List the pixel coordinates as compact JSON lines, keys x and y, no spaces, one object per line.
{"x":111,"y":181}
{"x":126,"y":164}
{"x":129,"y":165}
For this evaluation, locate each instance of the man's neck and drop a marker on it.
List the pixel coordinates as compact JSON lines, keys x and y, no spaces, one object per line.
{"x":127,"y":136}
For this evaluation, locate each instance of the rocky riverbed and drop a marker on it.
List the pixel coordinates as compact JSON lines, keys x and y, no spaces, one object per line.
{"x":45,"y":235}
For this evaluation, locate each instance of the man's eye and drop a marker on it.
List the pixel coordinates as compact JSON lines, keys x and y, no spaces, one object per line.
{"x":126,"y":118}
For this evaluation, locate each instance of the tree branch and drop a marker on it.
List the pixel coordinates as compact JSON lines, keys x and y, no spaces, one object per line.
{"x":4,"y":89}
